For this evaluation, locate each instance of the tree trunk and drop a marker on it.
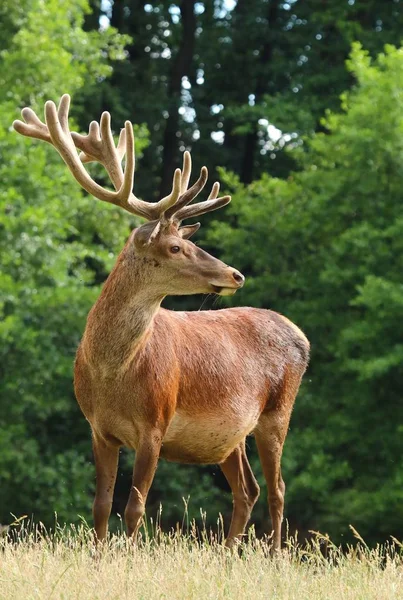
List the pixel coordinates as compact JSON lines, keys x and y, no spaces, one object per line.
{"x":251,"y":139}
{"x":91,"y":20}
{"x":117,"y":17}
{"x":249,"y":152}
{"x":181,"y":66}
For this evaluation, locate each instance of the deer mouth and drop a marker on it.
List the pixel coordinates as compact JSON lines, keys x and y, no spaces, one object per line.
{"x":223,"y":290}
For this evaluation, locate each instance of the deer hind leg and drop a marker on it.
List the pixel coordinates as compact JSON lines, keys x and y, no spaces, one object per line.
{"x":270,"y":436}
{"x":145,"y":465}
{"x":106,"y":464}
{"x":245,"y":491}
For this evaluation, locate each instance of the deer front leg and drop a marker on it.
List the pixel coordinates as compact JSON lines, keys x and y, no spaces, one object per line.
{"x":106,"y":464}
{"x":145,"y":465}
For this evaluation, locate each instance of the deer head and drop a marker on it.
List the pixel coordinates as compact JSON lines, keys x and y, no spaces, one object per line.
{"x":179,"y":266}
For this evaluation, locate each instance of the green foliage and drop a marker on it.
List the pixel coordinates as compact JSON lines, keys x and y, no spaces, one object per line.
{"x":283,"y":61}
{"x":322,"y":244}
{"x":48,"y":51}
{"x":54,"y":249}
{"x":327,"y":251}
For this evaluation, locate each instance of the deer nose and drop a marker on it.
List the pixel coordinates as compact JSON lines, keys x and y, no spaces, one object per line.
{"x":239,"y":278}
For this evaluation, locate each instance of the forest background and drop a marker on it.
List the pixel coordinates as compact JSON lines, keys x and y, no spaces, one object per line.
{"x":297,"y":107}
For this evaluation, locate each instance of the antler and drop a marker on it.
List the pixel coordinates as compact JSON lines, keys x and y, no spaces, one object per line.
{"x":98,"y":145}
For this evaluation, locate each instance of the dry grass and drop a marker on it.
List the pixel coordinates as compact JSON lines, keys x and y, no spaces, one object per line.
{"x":65,"y":565}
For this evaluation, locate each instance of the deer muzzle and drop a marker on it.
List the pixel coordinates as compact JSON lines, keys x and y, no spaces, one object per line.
{"x":229,"y":285}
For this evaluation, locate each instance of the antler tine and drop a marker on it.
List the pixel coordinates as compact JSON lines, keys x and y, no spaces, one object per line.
{"x":127,"y":185}
{"x":186,"y":170}
{"x":189,"y":195}
{"x":33,"y":126}
{"x":202,"y":207}
{"x":214,"y":191}
{"x":179,"y":210}
{"x":121,"y":147}
{"x":80,"y":142}
{"x":212,"y":203}
{"x":179,"y":187}
{"x":63,"y":112}
{"x":162,"y":205}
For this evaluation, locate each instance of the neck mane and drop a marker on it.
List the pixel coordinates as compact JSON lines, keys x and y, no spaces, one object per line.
{"x":121,"y":320}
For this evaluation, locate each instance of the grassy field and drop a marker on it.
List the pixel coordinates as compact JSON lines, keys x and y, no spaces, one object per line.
{"x":66,"y":565}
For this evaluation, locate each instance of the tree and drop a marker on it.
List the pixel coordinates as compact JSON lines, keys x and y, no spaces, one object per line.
{"x":278,"y":63}
{"x":327,"y":253}
{"x":56,"y":249}
{"x":322,"y":244}
{"x":220,"y":80}
{"x":53,"y":246}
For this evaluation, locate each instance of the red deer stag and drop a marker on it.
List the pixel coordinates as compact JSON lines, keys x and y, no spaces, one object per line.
{"x":185,"y":386}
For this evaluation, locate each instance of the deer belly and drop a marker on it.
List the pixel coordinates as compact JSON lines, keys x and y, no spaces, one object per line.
{"x":209,"y":439}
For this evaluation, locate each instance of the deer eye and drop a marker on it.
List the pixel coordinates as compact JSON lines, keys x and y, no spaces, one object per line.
{"x":175,"y":249}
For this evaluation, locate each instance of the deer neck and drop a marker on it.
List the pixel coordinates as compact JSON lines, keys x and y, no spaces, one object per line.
{"x":121,"y":320}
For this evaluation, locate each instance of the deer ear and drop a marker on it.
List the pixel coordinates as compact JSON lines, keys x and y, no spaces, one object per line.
{"x":154,"y":233}
{"x":188,"y":230}
{"x":146,"y":234}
